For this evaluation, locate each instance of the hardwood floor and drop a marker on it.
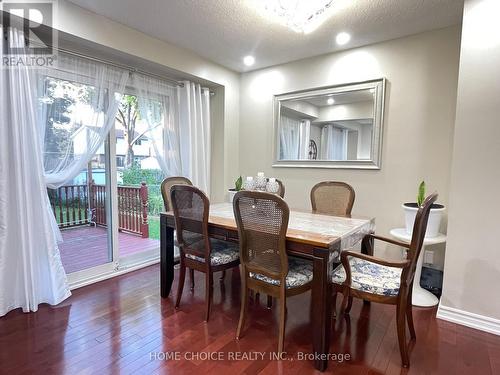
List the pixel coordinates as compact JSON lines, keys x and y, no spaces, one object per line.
{"x":120,"y":326}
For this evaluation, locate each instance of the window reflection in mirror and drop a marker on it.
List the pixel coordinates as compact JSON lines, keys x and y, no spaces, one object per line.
{"x":341,"y":125}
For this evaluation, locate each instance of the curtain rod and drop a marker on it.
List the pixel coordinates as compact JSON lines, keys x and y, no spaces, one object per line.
{"x":131,"y":69}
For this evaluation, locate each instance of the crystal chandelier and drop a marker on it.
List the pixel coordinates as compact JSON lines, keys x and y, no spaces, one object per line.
{"x":302,"y":16}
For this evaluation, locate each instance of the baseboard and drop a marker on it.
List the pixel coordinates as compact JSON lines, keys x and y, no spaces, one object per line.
{"x":468,"y":319}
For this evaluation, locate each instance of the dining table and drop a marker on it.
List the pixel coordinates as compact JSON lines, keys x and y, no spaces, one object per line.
{"x":317,"y":237}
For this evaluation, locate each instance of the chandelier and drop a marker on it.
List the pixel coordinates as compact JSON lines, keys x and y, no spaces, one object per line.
{"x":302,"y":16}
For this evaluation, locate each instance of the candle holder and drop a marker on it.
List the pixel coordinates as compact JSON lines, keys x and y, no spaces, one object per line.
{"x":249,"y":183}
{"x":260,"y":181}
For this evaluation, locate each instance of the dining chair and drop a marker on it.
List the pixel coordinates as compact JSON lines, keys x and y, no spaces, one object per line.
{"x":198,"y":251}
{"x":332,"y":198}
{"x":390,"y":282}
{"x":262,"y":220}
{"x":166,"y":184}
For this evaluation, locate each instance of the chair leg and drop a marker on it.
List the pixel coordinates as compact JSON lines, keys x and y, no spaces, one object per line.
{"x":269,"y":301}
{"x":349,"y":305}
{"x":281,"y":342}
{"x":346,"y":302}
{"x":401,"y":326}
{"x":334,"y":304}
{"x":223,"y":276}
{"x":244,"y":308}
{"x":208,"y":294}
{"x":191,"y":278}
{"x":180,"y":286}
{"x":409,"y":317}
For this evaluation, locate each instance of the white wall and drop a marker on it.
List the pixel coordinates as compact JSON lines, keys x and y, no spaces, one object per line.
{"x":472,"y":268}
{"x":421,"y":71}
{"x":77,"y":21}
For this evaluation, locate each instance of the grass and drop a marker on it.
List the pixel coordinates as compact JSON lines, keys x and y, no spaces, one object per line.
{"x":154,"y":227}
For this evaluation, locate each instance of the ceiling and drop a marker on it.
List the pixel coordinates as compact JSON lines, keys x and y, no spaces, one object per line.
{"x":340,"y":98}
{"x":225,"y":31}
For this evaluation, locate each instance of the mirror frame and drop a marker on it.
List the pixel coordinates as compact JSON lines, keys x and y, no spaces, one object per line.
{"x":378,"y":123}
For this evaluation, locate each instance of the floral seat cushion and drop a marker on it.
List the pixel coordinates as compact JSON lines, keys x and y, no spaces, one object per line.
{"x":370,"y":277}
{"x":223,"y":252}
{"x":300,"y":272}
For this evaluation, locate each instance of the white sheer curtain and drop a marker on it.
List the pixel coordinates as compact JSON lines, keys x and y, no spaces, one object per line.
{"x":78,"y":102}
{"x":289,"y":138}
{"x":31,"y":271}
{"x":194,"y":133}
{"x":304,"y":138}
{"x":333,"y":143}
{"x":159,"y":106}
{"x":90,"y":93}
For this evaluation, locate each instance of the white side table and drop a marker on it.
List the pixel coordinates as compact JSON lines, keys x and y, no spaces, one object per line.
{"x":420,"y":296}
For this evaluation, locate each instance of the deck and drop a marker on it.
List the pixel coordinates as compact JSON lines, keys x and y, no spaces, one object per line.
{"x":87,"y":246}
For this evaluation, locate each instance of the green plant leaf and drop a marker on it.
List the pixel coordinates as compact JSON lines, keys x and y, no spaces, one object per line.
{"x":238,"y":184}
{"x":421,"y":193}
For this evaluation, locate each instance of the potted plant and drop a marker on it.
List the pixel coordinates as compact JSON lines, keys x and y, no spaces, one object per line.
{"x":237,"y":187}
{"x":435,"y":215}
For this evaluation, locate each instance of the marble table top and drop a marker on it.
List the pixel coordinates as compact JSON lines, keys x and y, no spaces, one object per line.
{"x":322,"y":230}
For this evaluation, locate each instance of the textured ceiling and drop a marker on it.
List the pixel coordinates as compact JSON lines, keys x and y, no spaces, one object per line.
{"x":224,"y":31}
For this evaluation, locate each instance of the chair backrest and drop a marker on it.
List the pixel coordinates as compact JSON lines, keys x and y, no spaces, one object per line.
{"x":262,"y":220}
{"x":332,"y":198}
{"x":166,"y":184}
{"x":418,"y":235}
{"x":191,"y":209}
{"x":281,"y":191}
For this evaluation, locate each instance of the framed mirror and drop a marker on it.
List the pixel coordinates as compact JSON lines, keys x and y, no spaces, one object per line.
{"x":330,"y":127}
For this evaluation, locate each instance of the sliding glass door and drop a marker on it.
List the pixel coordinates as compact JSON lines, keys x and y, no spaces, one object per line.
{"x":108,"y":212}
{"x":139,"y":176}
{"x":81,"y":206}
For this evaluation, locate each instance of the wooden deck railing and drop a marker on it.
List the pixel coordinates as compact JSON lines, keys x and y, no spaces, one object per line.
{"x":81,"y":204}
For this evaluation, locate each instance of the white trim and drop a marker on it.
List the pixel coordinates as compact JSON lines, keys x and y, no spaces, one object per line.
{"x":468,"y":319}
{"x":104,"y":276}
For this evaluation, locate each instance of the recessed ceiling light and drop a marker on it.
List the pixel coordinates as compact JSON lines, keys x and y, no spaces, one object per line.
{"x":342,"y":38}
{"x":249,"y":60}
{"x":330,"y":101}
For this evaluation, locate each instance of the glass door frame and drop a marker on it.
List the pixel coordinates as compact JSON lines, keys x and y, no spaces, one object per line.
{"x":119,"y":264}
{"x":103,"y":271}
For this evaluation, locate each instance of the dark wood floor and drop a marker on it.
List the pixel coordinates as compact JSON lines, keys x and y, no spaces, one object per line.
{"x":117,"y":326}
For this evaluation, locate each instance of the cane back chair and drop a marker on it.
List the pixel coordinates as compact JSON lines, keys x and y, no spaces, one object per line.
{"x":262,"y":221}
{"x":332,"y":198}
{"x":198,"y":251}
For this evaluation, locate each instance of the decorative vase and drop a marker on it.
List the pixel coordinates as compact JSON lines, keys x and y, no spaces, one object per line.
{"x":249,"y":183}
{"x":433,"y":224}
{"x":260,"y":181}
{"x":272,"y":186}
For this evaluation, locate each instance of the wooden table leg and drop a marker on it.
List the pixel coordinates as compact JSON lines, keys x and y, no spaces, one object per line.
{"x":321,"y":309}
{"x":367,"y":248}
{"x":166,"y":257}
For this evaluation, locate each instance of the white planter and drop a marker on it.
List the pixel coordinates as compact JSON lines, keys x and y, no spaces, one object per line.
{"x":232,"y":193}
{"x":434,"y":219}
